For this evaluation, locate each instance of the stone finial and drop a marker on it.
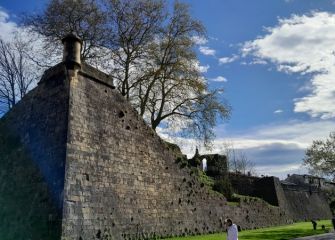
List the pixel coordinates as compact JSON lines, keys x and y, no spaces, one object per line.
{"x":196,"y":152}
{"x":71,"y":53}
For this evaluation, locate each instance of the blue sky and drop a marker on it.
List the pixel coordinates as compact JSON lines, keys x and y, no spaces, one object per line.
{"x":275,"y":60}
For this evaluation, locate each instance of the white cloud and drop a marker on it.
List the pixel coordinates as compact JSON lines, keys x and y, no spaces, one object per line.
{"x":295,"y":132}
{"x":7,"y":27}
{"x":213,"y":38}
{"x":303,"y":45}
{"x":283,"y":171}
{"x":278,"y":111}
{"x":225,"y":60}
{"x":202,"y":69}
{"x":207,"y":51}
{"x":199,"y":40}
{"x":219,"y":79}
{"x":34,"y":42}
{"x":276,"y":149}
{"x":258,"y":61}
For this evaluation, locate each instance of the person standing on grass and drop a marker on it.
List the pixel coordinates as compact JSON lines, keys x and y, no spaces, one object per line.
{"x":314,"y":224}
{"x":232,"y":233}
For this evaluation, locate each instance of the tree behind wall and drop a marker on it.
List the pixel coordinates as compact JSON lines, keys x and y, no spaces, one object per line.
{"x":60,"y":17}
{"x":151,"y":54}
{"x":132,"y":26}
{"x":17,"y":72}
{"x":172,"y":90}
{"x":320,"y":157}
{"x":238,"y":162}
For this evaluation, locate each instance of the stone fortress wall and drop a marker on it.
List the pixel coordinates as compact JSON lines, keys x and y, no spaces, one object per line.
{"x":303,"y":201}
{"x":106,"y":174}
{"x":32,"y":162}
{"x":122,"y":179}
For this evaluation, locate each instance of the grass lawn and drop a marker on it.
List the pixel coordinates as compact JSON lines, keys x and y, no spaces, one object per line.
{"x":273,"y":233}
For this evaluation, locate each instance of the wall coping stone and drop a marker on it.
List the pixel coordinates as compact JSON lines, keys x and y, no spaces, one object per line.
{"x":86,"y":71}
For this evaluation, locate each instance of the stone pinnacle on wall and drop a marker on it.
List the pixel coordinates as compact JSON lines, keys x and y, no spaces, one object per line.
{"x":71,"y":52}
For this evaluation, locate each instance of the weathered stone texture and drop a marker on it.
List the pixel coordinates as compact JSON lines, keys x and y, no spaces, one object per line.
{"x":306,"y":204}
{"x":122,"y":179}
{"x":105,"y":173}
{"x":32,"y":167}
{"x":267,"y":188}
{"x":301,"y":202}
{"x":243,"y":184}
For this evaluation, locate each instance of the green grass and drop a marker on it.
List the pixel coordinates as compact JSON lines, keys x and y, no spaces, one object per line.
{"x":273,"y":233}
{"x":233,"y":204}
{"x":237,"y":199}
{"x":206,"y":180}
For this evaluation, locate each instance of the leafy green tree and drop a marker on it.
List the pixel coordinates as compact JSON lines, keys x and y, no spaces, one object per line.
{"x":320,"y":157}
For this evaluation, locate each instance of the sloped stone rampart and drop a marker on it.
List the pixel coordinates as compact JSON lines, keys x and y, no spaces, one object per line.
{"x":103,"y":173}
{"x":122,"y":179}
{"x":32,"y":161}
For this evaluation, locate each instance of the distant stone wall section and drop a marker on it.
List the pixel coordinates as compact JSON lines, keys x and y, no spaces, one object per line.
{"x":216,"y":165}
{"x":307,"y":204}
{"x":243,"y":184}
{"x":265,"y":187}
{"x":300,"y":201}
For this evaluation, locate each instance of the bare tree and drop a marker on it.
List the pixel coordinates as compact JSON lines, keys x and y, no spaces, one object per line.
{"x":245,"y":165}
{"x":238,"y":161}
{"x":132,"y":25}
{"x":152,"y":53}
{"x":169,"y":62}
{"x":16,"y":74}
{"x":171,"y":88}
{"x":60,"y":17}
